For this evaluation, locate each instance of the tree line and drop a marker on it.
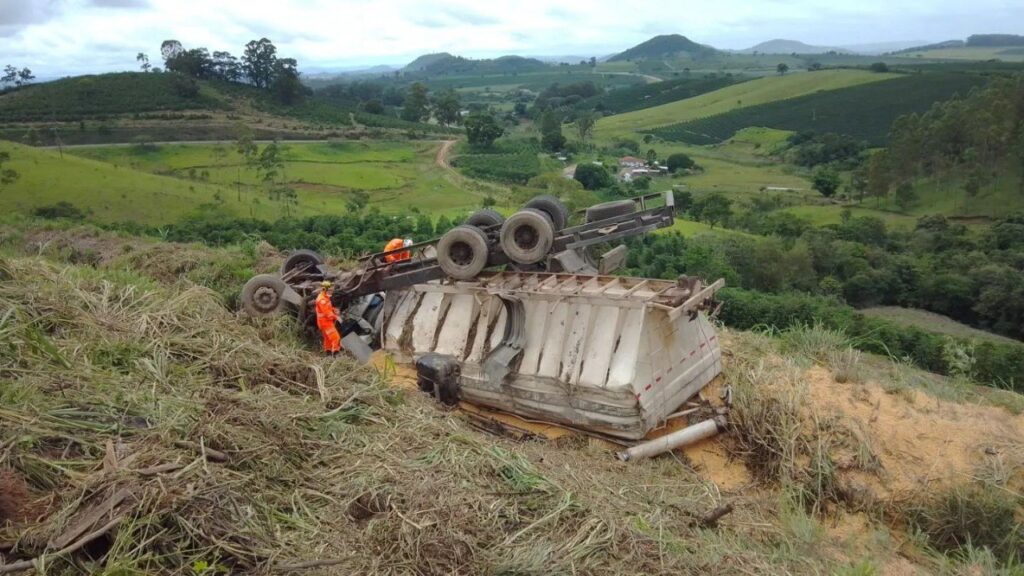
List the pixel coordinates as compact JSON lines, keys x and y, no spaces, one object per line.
{"x":970,"y":139}
{"x":259,"y":66}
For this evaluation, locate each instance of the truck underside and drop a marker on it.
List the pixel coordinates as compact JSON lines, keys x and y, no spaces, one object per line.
{"x":552,"y":337}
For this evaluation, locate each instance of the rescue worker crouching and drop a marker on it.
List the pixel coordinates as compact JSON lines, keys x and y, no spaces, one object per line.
{"x":397,"y":244}
{"x":326,"y":318}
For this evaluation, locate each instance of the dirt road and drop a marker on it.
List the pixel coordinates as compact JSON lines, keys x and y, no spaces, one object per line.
{"x":443,"y":152}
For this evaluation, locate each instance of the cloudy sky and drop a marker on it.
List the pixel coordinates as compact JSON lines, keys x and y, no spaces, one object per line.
{"x":57,"y":37}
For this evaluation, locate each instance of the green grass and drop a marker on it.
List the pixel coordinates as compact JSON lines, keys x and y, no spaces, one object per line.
{"x":760,"y":91}
{"x":932,"y":322}
{"x":154,"y":185}
{"x":824,"y":214}
{"x":109,"y":193}
{"x":864,"y":111}
{"x":723,"y":174}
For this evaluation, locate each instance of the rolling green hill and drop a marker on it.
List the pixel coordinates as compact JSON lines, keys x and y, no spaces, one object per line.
{"x":665,"y":46}
{"x":754,"y":92}
{"x":864,"y":111}
{"x":106,"y":95}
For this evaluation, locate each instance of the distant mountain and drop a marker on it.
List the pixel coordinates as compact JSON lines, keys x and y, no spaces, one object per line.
{"x":780,"y":46}
{"x":995,"y":40}
{"x":445,"y":63}
{"x":423,"y":62}
{"x":665,"y":46}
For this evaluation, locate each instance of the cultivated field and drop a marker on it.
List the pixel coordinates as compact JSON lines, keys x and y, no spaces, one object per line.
{"x":750,"y":93}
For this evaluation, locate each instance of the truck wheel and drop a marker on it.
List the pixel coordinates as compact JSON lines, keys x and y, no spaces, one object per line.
{"x":527,"y":236}
{"x":262,"y":295}
{"x":301,"y":259}
{"x":608,"y":210}
{"x":485,"y":218}
{"x":553,"y":207}
{"x":462,"y":252}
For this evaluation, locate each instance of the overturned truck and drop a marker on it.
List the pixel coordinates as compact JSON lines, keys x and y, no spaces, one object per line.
{"x":553,"y":336}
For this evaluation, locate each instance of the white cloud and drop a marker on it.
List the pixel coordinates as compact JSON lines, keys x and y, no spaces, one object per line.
{"x":76,"y":36}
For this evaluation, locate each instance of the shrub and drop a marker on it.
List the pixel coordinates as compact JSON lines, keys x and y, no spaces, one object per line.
{"x":679,"y":161}
{"x":61,"y":209}
{"x":593,"y":176}
{"x":977,"y":515}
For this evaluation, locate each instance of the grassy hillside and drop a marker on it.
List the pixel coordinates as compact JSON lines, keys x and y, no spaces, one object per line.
{"x":1006,"y":54}
{"x":933,"y":322}
{"x":621,"y":100}
{"x":864,"y":111}
{"x":760,"y":91}
{"x":161,"y":184}
{"x":108,"y":193}
{"x":104,"y":95}
{"x":226,"y":445}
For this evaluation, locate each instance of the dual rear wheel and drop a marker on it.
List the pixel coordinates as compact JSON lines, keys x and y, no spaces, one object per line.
{"x":526,"y":237}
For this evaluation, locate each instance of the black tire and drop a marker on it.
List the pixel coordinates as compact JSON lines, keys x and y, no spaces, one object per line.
{"x":527,"y":236}
{"x":485,"y":218}
{"x":462,"y":252}
{"x":607,"y":210}
{"x":300,"y":259}
{"x":553,"y":207}
{"x":263,"y":295}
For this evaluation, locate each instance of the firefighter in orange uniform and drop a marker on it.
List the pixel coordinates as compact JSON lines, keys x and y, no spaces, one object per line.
{"x":326,"y":316}
{"x":396,"y":244}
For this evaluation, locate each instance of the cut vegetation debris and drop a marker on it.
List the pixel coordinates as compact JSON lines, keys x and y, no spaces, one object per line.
{"x":148,"y":429}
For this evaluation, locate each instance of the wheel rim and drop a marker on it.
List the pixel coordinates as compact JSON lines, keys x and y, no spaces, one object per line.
{"x":265,"y":299}
{"x":525,"y":237}
{"x":461,"y":254}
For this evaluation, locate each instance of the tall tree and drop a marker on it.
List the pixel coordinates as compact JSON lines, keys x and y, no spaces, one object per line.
{"x":447,"y":108}
{"x":782,"y":68}
{"x":551,"y":137}
{"x":826,"y":181}
{"x":226,"y":67}
{"x":585,"y":125}
{"x":246,"y":147}
{"x":143,"y":61}
{"x":415,"y":108}
{"x":713,"y":209}
{"x":482,"y":130}
{"x":170,"y":49}
{"x":194,"y":63}
{"x":258,"y":62}
{"x":286,"y":84}
{"x":10,"y":75}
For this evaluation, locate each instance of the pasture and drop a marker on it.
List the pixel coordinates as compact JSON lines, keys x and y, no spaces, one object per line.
{"x":159,"y":184}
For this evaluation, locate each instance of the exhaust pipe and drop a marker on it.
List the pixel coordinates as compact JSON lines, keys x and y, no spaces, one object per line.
{"x":684,"y":437}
